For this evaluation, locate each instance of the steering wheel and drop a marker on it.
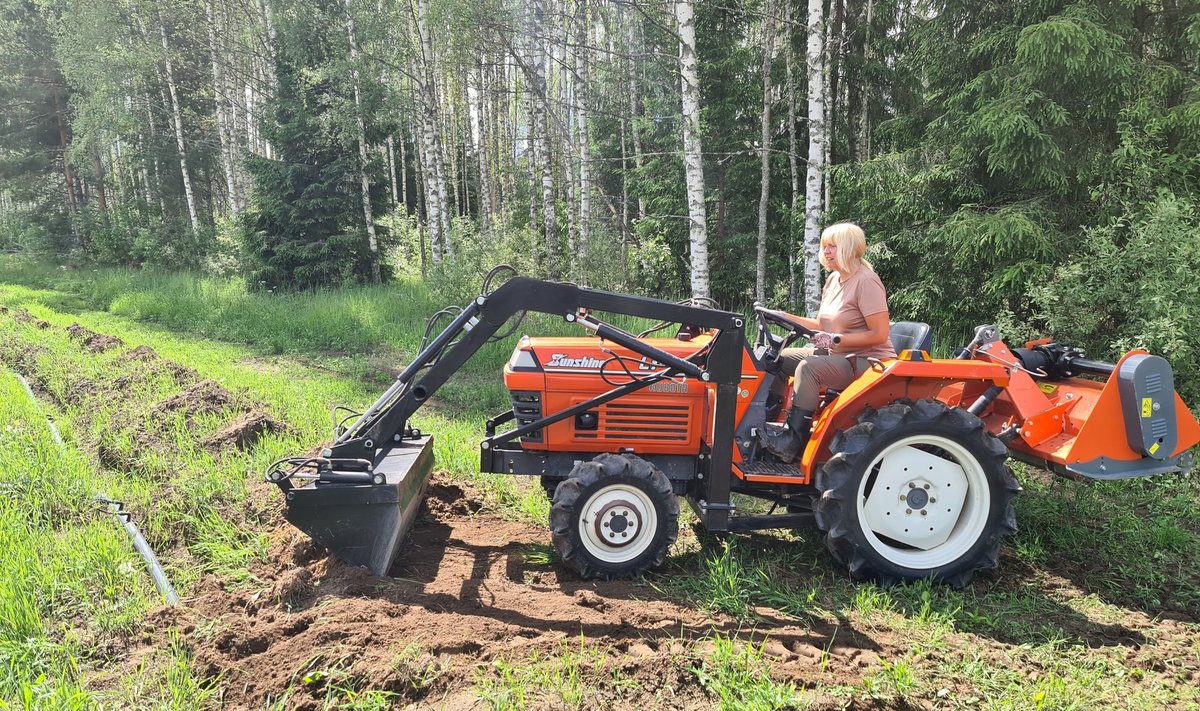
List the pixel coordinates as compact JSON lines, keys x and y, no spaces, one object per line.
{"x":768,"y":344}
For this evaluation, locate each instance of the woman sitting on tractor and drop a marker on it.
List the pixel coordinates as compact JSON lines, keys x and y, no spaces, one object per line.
{"x":851,"y":326}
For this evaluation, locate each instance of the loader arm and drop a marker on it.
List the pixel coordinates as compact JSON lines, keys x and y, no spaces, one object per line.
{"x":387,"y":419}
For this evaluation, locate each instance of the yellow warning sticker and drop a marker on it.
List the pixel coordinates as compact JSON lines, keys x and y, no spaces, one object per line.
{"x":1147,"y":406}
{"x":1154,"y":448}
{"x":1047,"y":388}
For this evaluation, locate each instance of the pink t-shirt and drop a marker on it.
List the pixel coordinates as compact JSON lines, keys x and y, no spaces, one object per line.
{"x":845,"y":307}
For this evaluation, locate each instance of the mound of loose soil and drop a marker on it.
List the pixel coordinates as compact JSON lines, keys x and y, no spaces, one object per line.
{"x":141,"y":354}
{"x":94,"y":342}
{"x":243,"y":432}
{"x":22,"y":358}
{"x":205,"y":396}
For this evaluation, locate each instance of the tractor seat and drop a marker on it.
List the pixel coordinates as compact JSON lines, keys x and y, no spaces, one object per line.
{"x":911,"y":336}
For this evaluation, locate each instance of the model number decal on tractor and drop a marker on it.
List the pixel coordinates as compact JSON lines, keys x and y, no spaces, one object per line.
{"x":668,"y":386}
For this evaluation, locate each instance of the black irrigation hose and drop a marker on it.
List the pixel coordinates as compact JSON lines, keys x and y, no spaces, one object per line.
{"x":117,"y":509}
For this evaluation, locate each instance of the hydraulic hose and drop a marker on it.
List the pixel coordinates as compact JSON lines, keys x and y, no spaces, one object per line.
{"x":117,"y":509}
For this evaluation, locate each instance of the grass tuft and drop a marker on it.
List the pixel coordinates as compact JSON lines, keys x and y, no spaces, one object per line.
{"x":739,"y":677}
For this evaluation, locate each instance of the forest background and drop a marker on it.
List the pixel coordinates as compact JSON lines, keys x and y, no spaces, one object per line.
{"x":1032,"y":163}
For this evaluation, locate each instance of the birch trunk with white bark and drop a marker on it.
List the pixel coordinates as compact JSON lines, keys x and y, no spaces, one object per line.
{"x":793,"y":158}
{"x":813,"y":205}
{"x":692,"y":151}
{"x":565,"y":97}
{"x":177,"y":114}
{"x":764,"y":193}
{"x":365,"y":183}
{"x":635,"y":110}
{"x":538,"y":96}
{"x":433,"y":171}
{"x":477,"y":109}
{"x":864,"y":141}
{"x":228,"y":154}
{"x":585,"y":163}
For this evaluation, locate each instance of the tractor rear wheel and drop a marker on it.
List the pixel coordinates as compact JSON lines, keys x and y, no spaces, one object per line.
{"x":614,"y":517}
{"x":916,"y":490}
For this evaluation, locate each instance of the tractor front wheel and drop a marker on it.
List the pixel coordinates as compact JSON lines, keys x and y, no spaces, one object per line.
{"x":614,"y":517}
{"x":916,"y":491}
{"x":550,"y":484}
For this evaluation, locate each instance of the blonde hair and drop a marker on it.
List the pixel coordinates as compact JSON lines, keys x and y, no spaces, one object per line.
{"x":851,"y":244}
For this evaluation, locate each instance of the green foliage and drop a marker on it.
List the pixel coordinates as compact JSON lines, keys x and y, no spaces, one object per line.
{"x":305,"y":228}
{"x":1132,"y":284}
{"x":1050,"y":137}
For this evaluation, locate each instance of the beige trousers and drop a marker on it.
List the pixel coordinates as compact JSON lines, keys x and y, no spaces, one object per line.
{"x":813,"y":372}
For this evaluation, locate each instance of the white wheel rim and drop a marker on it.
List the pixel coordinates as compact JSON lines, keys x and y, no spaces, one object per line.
{"x":618,"y":523}
{"x":924,"y":510}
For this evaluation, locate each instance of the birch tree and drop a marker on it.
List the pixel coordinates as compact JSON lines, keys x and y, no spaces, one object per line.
{"x":540,"y":120}
{"x":177,"y":115}
{"x":215,"y":36}
{"x":813,"y":205}
{"x":689,"y":77}
{"x":768,"y":29}
{"x":433,"y":170}
{"x":793,"y":157}
{"x":585,"y":165}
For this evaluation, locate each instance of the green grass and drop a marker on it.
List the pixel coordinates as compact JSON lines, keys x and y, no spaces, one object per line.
{"x":733,"y":578}
{"x":570,"y":677}
{"x":738,"y":676}
{"x":67,"y":574}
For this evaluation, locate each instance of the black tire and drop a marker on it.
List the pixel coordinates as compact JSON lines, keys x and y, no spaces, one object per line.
{"x":636,"y":498}
{"x":881,"y":538}
{"x":549,"y":484}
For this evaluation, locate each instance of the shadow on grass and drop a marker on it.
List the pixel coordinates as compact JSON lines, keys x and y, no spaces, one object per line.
{"x":1014,"y":604}
{"x":1133,"y":544}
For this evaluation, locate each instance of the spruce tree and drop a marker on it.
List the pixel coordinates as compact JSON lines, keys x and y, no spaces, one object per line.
{"x":305,"y":226}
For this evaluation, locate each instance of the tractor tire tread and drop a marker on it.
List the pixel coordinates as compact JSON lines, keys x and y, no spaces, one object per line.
{"x":836,"y":509}
{"x":590,"y":476}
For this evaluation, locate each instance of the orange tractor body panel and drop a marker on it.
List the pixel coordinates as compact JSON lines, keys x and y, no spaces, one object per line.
{"x":1064,"y":422}
{"x":666,"y":418}
{"x":889,"y":381}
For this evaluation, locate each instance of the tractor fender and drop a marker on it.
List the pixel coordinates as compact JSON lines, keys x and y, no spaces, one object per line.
{"x":917,"y":378}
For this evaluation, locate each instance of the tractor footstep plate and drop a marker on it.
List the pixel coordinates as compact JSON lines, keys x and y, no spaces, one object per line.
{"x":364,"y":524}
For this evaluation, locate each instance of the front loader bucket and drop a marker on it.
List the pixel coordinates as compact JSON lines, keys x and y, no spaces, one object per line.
{"x":364,"y":524}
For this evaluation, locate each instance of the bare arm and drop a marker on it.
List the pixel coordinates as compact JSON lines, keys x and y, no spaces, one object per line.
{"x":809,"y":323}
{"x":878,"y":328}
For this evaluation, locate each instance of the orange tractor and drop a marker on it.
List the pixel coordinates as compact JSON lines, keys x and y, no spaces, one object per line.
{"x":904,"y":471}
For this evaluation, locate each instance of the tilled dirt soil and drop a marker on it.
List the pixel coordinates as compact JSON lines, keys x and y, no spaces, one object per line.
{"x":139,"y":365}
{"x":462,"y":596}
